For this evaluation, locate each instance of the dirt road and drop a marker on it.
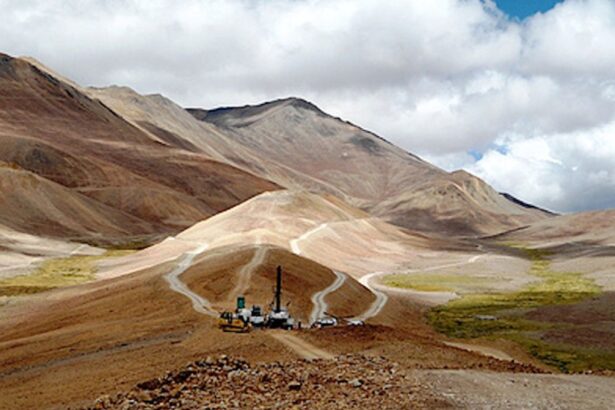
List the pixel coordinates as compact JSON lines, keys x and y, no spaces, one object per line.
{"x":301,"y":347}
{"x":199,"y":303}
{"x":245,"y":274}
{"x":484,"y":350}
{"x":381,"y":298}
{"x":468,"y":389}
{"x":318,"y":298}
{"x":294,"y":244}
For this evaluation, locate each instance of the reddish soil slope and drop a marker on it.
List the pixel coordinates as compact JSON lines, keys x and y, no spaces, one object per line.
{"x":113,"y":169}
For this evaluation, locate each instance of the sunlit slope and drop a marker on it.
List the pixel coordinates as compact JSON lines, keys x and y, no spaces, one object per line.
{"x":370,"y":172}
{"x":321,"y":228}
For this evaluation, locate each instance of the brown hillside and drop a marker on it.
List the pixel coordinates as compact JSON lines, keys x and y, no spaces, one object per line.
{"x":146,"y":185}
{"x":369,"y":171}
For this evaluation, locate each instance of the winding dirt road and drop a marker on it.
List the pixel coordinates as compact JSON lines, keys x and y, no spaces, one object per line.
{"x":300,"y":347}
{"x":381,"y":298}
{"x":318,"y":298}
{"x":199,"y":303}
{"x":379,"y":290}
{"x":245,"y":274}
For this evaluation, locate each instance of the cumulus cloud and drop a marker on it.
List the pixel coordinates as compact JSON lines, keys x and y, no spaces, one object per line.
{"x":527,"y":105}
{"x":576,"y":169}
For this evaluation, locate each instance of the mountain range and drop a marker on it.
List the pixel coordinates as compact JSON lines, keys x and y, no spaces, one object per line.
{"x":128,"y":223}
{"x":107,"y":165}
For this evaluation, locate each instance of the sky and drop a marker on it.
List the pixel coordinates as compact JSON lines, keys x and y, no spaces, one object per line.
{"x":521,"y":97}
{"x":524,"y":8}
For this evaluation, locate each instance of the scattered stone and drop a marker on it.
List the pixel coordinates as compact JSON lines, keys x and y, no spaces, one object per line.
{"x":485,"y":317}
{"x":294,"y":386}
{"x":356,"y":383}
{"x":346,"y":382}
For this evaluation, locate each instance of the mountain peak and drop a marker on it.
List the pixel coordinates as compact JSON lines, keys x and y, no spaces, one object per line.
{"x":298,"y":103}
{"x":257,"y":109}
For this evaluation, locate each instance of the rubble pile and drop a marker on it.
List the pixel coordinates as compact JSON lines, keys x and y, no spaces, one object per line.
{"x":346,"y":382}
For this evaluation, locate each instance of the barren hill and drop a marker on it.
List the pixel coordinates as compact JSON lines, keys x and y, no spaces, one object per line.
{"x":323,"y":228}
{"x":457,"y":202}
{"x":369,"y":171}
{"x":298,"y":146}
{"x":89,"y":155}
{"x":114,"y":332}
{"x":596,"y":227}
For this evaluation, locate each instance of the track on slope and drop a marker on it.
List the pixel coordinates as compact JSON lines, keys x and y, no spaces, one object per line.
{"x":245,"y":274}
{"x":294,"y":244}
{"x":318,"y":298}
{"x":382,"y":298}
{"x":199,"y":303}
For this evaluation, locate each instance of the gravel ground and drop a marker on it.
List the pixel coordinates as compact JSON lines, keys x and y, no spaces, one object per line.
{"x":469,"y":389}
{"x":346,"y":382}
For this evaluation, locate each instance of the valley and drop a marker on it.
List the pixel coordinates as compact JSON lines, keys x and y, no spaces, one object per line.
{"x":128,"y":224}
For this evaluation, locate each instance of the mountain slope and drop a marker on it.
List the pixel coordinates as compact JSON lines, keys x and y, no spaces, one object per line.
{"x":30,"y":203}
{"x":590,"y":228}
{"x":457,"y":202}
{"x":166,"y":120}
{"x":297,"y":134}
{"x":142,"y":155}
{"x":295,"y":144}
{"x":322,"y":228}
{"x":371,"y":172}
{"x":127,"y":176}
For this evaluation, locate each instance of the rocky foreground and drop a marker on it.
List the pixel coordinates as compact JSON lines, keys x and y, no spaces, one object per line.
{"x":225,"y":383}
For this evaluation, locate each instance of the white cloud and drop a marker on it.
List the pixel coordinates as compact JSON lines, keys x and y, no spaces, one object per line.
{"x":438,"y":78}
{"x":564,"y":172}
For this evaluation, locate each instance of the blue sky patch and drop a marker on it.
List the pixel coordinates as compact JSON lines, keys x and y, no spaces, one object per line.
{"x":524,"y":8}
{"x":502,"y":149}
{"x":477,"y":155}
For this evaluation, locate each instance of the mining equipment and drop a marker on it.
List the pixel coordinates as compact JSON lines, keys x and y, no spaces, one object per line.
{"x":257,"y":316}
{"x":242,"y":320}
{"x":238,"y":321}
{"x":279,"y":318}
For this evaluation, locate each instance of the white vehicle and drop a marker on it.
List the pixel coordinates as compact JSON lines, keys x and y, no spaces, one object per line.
{"x":257,"y":318}
{"x":325,"y":322}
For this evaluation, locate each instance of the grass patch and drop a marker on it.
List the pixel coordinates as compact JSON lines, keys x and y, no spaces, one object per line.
{"x":55,"y":273}
{"x":437,"y":282}
{"x":502,"y":315}
{"x":565,"y":357}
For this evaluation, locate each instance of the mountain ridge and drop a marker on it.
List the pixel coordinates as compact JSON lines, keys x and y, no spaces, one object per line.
{"x":248,"y":125}
{"x":56,"y":131}
{"x":289,"y":143}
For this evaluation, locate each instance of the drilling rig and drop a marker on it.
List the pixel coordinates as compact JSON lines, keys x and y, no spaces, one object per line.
{"x":243,"y":319}
{"x":279,"y":318}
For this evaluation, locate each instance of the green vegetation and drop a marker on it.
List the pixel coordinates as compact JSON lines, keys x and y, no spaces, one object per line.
{"x":567,"y":358}
{"x":502,"y":315}
{"x":436,"y":282}
{"x":56,"y":273}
